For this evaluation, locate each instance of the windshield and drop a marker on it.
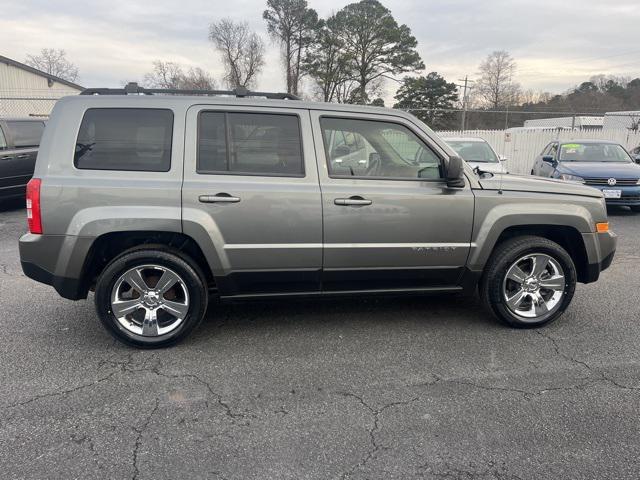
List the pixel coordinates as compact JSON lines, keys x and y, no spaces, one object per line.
{"x":479,"y":152}
{"x":593,"y":152}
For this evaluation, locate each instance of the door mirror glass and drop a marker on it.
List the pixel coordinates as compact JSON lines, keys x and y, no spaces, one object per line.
{"x":455,"y":172}
{"x":548,"y":159}
{"x":341,"y":151}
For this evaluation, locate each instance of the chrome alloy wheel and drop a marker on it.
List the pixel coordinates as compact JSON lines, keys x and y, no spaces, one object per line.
{"x":150,"y":300}
{"x":534,"y":286}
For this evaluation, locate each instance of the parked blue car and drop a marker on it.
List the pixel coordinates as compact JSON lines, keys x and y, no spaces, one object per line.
{"x":604,"y":165}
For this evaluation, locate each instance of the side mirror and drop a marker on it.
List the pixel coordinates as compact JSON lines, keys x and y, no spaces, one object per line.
{"x":549,"y":159}
{"x":637,"y":158}
{"x":455,"y":172}
{"x":502,"y":158}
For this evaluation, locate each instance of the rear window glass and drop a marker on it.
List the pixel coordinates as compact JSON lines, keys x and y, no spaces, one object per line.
{"x":26,"y":134}
{"x":131,"y":139}
{"x":249,"y":144}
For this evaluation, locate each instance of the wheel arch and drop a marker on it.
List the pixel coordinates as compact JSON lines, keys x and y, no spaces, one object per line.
{"x":568,"y":237}
{"x":108,"y":246}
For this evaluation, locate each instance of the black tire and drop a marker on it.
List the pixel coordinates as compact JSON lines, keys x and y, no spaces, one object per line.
{"x":183,"y":266}
{"x":504,"y":256}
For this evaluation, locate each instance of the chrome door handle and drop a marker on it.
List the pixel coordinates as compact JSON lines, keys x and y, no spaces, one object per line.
{"x":22,"y":156}
{"x":352,"y":201}
{"x":218,"y":198}
{"x":6,"y":157}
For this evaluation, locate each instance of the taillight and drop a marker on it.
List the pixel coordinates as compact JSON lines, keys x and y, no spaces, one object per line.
{"x":34,"y":217}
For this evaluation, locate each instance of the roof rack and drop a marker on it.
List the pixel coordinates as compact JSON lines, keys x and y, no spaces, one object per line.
{"x":133,"y":88}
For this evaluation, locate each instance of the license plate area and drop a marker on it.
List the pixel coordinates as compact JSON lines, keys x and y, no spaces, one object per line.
{"x":608,"y":193}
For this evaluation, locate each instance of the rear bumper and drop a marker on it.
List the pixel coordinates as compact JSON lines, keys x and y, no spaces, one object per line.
{"x":55,"y":260}
{"x":66,"y":287}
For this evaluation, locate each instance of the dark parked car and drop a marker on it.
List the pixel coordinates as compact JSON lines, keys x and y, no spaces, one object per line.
{"x":604,"y":165}
{"x":19,"y":141}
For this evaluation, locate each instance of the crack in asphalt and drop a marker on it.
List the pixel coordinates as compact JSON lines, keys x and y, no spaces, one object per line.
{"x":491,"y":471}
{"x":375,"y":447}
{"x":140,"y":431}
{"x":603,"y":377}
{"x":62,"y":392}
{"x":4,"y":269}
{"x":219,"y":399}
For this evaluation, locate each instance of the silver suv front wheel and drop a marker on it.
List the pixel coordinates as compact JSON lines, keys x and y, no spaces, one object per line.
{"x":534,"y":286}
{"x":528,"y":281}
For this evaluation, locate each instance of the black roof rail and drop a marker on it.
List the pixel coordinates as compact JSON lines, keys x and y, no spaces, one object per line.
{"x":133,"y":88}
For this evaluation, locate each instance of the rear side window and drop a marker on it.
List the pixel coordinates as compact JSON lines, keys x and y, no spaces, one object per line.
{"x":26,"y":134}
{"x":249,"y":144}
{"x":131,"y":139}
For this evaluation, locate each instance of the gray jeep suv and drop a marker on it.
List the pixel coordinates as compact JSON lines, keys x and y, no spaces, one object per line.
{"x":157,"y":202}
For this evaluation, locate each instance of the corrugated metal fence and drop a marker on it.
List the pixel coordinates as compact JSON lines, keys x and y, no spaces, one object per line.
{"x":522,"y":146}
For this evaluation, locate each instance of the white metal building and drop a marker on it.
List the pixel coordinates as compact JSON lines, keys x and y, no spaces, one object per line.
{"x":577,"y":121}
{"x":622,"y":120}
{"x":26,"y":91}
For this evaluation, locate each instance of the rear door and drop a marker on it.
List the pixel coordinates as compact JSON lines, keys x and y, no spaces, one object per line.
{"x":251,"y":195}
{"x":7,"y":177}
{"x":390,"y":222}
{"x":19,"y":161}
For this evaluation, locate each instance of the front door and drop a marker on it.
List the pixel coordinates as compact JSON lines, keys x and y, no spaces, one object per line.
{"x":390,"y":221}
{"x":251,"y":194}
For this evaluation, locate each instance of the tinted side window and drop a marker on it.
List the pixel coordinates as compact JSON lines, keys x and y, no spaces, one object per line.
{"x":3,"y":142}
{"x":131,"y":139}
{"x":250,"y":144}
{"x":383,"y":150}
{"x":26,"y":134}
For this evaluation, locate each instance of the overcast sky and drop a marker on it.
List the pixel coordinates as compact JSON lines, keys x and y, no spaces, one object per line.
{"x":556,"y":43}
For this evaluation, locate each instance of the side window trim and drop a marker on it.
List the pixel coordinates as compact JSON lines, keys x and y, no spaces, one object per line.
{"x":229,"y":143}
{"x":410,"y":128}
{"x":3,"y":139}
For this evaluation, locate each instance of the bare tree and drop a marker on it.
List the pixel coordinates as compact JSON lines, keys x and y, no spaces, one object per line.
{"x":170,"y":75}
{"x":164,"y":75}
{"x":54,"y":62}
{"x":496,"y":86}
{"x":241,"y":49}
{"x":198,"y":79}
{"x":293,"y":25}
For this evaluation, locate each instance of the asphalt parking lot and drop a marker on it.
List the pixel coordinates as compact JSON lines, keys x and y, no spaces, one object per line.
{"x":376,"y":388}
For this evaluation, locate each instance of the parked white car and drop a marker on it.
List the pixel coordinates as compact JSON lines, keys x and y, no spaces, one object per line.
{"x":478,"y":153}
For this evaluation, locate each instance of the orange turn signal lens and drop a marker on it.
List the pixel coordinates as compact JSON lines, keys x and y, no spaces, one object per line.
{"x":602,"y":227}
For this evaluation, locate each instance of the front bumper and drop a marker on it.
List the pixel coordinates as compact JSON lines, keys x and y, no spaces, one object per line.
{"x":601,"y":248}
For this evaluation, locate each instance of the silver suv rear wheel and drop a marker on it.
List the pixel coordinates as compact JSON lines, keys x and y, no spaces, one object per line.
{"x":151,"y":297}
{"x":150,"y":300}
